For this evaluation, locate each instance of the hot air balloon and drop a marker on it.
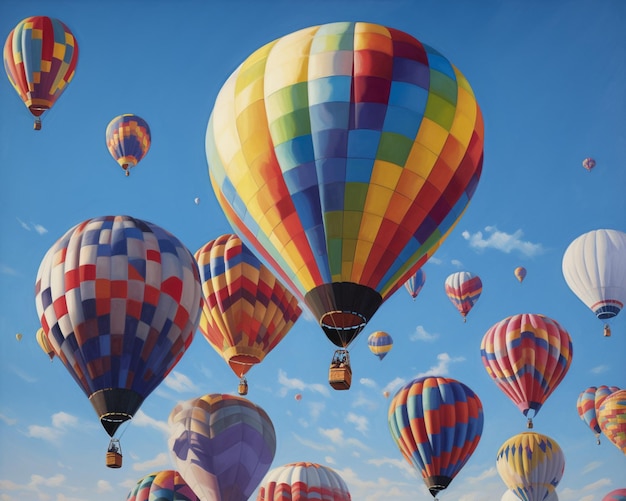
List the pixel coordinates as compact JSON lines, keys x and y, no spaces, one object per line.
{"x":118,"y":299}
{"x":222,"y":445}
{"x":612,"y":418}
{"x":436,"y":423}
{"x":415,"y":283}
{"x":594,"y":267}
{"x":463,"y":289}
{"x":303,"y":481}
{"x":386,"y":394}
{"x":510,"y":495}
{"x":40,"y":57}
{"x":43,"y":343}
{"x":166,"y":485}
{"x":616,"y":495}
{"x":246,"y":310}
{"x":589,"y":163}
{"x":128,"y":140}
{"x":196,"y":201}
{"x":527,"y":356}
{"x":531,"y":465}
{"x":344,"y":154}
{"x":380,"y":343}
{"x":297,"y":397}
{"x":18,"y":337}
{"x":586,"y":406}
{"x":520,"y":273}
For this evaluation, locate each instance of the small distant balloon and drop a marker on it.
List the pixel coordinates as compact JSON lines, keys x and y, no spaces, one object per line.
{"x":18,"y":336}
{"x":520,"y":273}
{"x":298,"y":397}
{"x":386,"y":394}
{"x":589,"y":163}
{"x":196,"y":200}
{"x":128,"y":140}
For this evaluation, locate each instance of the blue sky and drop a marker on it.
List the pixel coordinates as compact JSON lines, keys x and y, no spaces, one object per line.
{"x":550,"y":80}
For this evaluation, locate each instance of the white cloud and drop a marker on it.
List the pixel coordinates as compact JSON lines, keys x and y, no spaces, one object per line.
{"x":456,"y":263}
{"x":40,"y":229}
{"x":297,"y":384}
{"x":64,"y":420}
{"x":361,"y":422}
{"x":480,"y":478}
{"x":394,"y":384}
{"x":314,"y":444}
{"x":61,"y":422}
{"x":502,"y":241}
{"x":599,"y":369}
{"x":103,"y":486}
{"x":329,"y":460}
{"x":37,"y":227}
{"x":434,"y":260}
{"x":420,"y":334}
{"x":180,"y":383}
{"x":7,"y":270}
{"x":7,"y":420}
{"x":443,"y":367}
{"x":23,"y":224}
{"x":335,"y":435}
{"x":142,"y":419}
{"x":594,"y":465}
{"x":370,"y":383}
{"x":161,"y":459}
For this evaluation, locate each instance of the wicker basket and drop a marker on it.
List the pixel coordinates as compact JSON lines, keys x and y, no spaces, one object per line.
{"x":340,"y":378}
{"x":114,"y":460}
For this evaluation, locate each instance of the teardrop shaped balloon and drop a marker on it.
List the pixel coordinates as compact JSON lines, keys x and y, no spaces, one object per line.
{"x":18,"y":337}
{"x":248,"y":311}
{"x":42,"y":341}
{"x":128,"y":139}
{"x":527,"y":356}
{"x":380,"y":343}
{"x":436,"y":422}
{"x":586,"y":406}
{"x":40,"y":57}
{"x":589,"y":163}
{"x":463,"y":289}
{"x":222,"y":445}
{"x":612,"y":419}
{"x":415,"y":283}
{"x":119,"y":301}
{"x":616,"y":495}
{"x":344,"y":154}
{"x":165,"y":485}
{"x":531,"y":465}
{"x":520,"y":273}
{"x":305,"y":482}
{"x":594,"y":267}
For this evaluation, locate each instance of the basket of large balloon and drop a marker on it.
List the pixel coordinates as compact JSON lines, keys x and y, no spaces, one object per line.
{"x":114,"y":454}
{"x":340,"y":372}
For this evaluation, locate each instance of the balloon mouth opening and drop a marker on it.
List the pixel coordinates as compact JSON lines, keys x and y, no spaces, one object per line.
{"x":437,"y":483}
{"x":343,"y":321}
{"x":241,"y":364}
{"x":38,"y":109}
{"x":111,"y":422}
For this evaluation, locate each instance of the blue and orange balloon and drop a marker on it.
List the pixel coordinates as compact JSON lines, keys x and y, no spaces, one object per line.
{"x":380,"y":343}
{"x":165,"y":485}
{"x":520,"y":273}
{"x":344,"y":154}
{"x":436,"y":423}
{"x":616,"y":495}
{"x":128,"y":140}
{"x":415,"y":283}
{"x":463,"y":288}
{"x":40,"y":58}
{"x":588,"y":401}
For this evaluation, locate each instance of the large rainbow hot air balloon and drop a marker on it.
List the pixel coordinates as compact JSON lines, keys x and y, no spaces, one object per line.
{"x":165,"y":485}
{"x":344,"y":154}
{"x":40,"y":57}
{"x":380,"y":343}
{"x":531,"y":465}
{"x":128,"y":139}
{"x":119,"y":301}
{"x":305,"y":482}
{"x":463,"y":288}
{"x":588,"y":401}
{"x":415,"y":283}
{"x":222,"y":445}
{"x":594,"y":267}
{"x":437,"y":423}
{"x":246,"y":310}
{"x":527,"y":356}
{"x":612,"y":418}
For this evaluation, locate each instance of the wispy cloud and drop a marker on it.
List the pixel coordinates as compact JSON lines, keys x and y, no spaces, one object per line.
{"x":481,"y":477}
{"x":23,"y":224}
{"x":313,"y":444}
{"x":456,"y":263}
{"x":361,"y":423}
{"x":420,"y":334}
{"x":502,"y":241}
{"x":370,"y":383}
{"x":599,"y":369}
{"x":161,"y":459}
{"x":335,"y":435}
{"x":287,"y":384}
{"x":7,"y":270}
{"x":443,"y":367}
{"x":7,"y":420}
{"x":142,"y":419}
{"x":180,"y":383}
{"x":40,"y":229}
{"x":103,"y":486}
{"x":594,"y":465}
{"x":33,"y":226}
{"x":61,"y":423}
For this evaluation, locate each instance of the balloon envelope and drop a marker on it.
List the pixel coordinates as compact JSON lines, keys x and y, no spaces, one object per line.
{"x":119,"y":302}
{"x":612,"y":418}
{"x":510,"y":495}
{"x":520,"y":273}
{"x":463,"y":289}
{"x":588,"y":401}
{"x":616,"y":495}
{"x":247,"y":310}
{"x":128,"y":140}
{"x":380,"y":343}
{"x":527,"y":356}
{"x":589,"y":163}
{"x":166,"y":485}
{"x":303,"y":481}
{"x":42,"y":341}
{"x":436,"y":423}
{"x":344,"y":154}
{"x":222,"y":445}
{"x":40,"y":57}
{"x":415,"y":283}
{"x":531,"y":465}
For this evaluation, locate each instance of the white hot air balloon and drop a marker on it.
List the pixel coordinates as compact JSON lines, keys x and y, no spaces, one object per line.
{"x":594,"y":267}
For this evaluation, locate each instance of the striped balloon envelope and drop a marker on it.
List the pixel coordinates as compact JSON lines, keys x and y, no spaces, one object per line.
{"x":222,"y":445}
{"x":612,"y":418}
{"x":588,"y":401}
{"x":305,"y":482}
{"x":247,"y":311}
{"x":380,"y":343}
{"x":415,"y":283}
{"x":436,"y":423}
{"x":119,"y":301}
{"x":463,"y":289}
{"x":616,"y":495}
{"x":166,"y":485}
{"x":527,"y":356}
{"x":128,"y":139}
{"x":531,"y":465}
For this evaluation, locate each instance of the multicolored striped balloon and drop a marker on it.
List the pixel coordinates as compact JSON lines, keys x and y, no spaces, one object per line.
{"x":380,"y":343}
{"x":527,"y":356}
{"x":246,"y":310}
{"x":531,"y":465}
{"x":463,"y":289}
{"x":612,"y":418}
{"x":415,"y":283}
{"x":40,"y":58}
{"x":589,"y":163}
{"x":303,"y":481}
{"x":616,"y":495}
{"x":222,"y":445}
{"x":588,"y":401}
{"x":119,"y":301}
{"x":128,"y":139}
{"x":344,"y":154}
{"x":437,"y":423}
{"x":166,"y":485}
